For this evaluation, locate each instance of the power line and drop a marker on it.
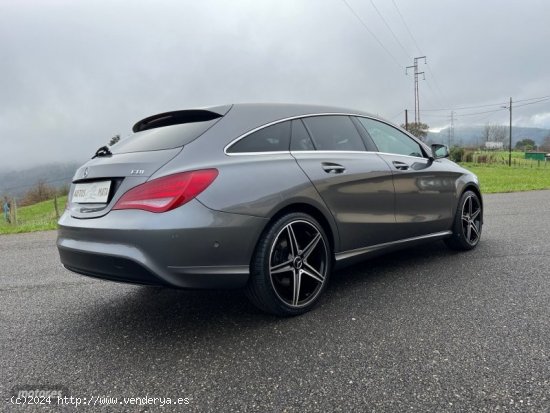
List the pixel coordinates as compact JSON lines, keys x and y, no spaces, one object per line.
{"x":436,"y":83}
{"x":492,"y":111}
{"x":463,"y":114}
{"x":389,"y":28}
{"x":540,"y":99}
{"x":407,"y":27}
{"x":396,"y":115}
{"x":480,"y":113}
{"x":432,"y":74}
{"x":403,"y":48}
{"x":531,"y":103}
{"x":432,"y":90}
{"x":486,"y":117}
{"x":525,"y":100}
{"x":464,"y":107}
{"x":371,"y":32}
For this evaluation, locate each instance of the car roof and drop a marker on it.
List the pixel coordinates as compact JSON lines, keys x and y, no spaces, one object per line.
{"x":238,"y":119}
{"x":253,"y":112}
{"x":285,"y":110}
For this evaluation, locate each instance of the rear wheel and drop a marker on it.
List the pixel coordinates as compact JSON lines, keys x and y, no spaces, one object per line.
{"x":290,"y":267}
{"x":467,"y":223}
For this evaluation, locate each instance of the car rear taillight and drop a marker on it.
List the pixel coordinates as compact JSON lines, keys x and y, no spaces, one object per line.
{"x":169,"y":192}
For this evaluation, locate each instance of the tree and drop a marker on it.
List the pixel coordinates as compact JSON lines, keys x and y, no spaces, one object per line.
{"x":500,"y":133}
{"x":41,"y":191}
{"x":494,"y":133}
{"x":486,"y":133}
{"x":114,"y":140}
{"x":526,"y":145}
{"x":545,"y":146}
{"x":456,"y":153}
{"x":418,"y":129}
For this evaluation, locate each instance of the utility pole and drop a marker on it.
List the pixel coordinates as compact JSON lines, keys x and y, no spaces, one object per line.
{"x":452,"y":128}
{"x":416,"y":95}
{"x":510,"y":134}
{"x":406,"y":119}
{"x":510,"y":147}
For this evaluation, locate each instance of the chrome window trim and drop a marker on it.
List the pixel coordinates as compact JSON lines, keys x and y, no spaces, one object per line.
{"x":405,"y":156}
{"x":309,"y":115}
{"x":244,"y":135}
{"x":344,"y":255}
{"x":324,"y":152}
{"x":258,"y":153}
{"x":369,"y":152}
{"x":327,"y":152}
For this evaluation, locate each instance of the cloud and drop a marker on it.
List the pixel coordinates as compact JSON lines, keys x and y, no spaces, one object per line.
{"x":540,"y":120}
{"x":74,"y":74}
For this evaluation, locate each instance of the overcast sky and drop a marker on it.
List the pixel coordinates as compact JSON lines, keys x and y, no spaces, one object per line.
{"x":75,"y":73}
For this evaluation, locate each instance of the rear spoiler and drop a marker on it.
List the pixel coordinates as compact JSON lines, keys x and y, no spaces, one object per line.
{"x":181,"y":116}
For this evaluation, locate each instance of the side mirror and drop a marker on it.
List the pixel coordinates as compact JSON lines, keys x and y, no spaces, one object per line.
{"x":440,"y":151}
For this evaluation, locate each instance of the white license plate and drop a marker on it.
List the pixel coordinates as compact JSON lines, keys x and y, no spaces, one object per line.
{"x":92,"y":192}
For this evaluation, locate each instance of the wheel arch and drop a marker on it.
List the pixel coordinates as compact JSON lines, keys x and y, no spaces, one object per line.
{"x":475,"y":189}
{"x":329,"y":227}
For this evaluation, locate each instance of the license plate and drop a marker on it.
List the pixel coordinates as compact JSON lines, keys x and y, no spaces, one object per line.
{"x":92,"y":192}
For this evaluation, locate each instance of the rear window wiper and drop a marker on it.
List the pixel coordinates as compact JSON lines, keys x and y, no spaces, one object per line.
{"x":103,"y":151}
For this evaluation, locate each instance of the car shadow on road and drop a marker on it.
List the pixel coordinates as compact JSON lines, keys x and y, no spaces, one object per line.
{"x":159,"y":312}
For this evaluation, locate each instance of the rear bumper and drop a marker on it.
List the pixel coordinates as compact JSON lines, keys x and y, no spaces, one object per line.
{"x":189,"y":247}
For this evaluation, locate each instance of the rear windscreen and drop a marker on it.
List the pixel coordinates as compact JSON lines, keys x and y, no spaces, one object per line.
{"x":166,"y":137}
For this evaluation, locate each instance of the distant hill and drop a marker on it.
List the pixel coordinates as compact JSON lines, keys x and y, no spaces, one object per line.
{"x":472,"y":135}
{"x":17,"y":183}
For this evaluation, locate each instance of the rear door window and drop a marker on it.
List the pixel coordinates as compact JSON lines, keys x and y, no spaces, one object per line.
{"x":301,"y":141}
{"x":274,"y":138}
{"x":334,"y":133}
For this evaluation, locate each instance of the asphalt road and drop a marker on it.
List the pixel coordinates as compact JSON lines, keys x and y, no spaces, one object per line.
{"x":421,"y":330}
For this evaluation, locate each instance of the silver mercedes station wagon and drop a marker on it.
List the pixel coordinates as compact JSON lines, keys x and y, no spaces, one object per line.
{"x":266,"y":197}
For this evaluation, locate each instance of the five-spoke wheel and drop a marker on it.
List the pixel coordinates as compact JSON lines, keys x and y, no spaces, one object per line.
{"x":291,"y":266}
{"x":468,"y":222}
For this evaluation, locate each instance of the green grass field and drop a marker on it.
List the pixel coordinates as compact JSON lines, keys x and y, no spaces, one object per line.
{"x":37,"y":217}
{"x":502,"y":178}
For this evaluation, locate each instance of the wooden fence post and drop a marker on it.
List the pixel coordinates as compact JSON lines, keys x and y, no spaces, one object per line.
{"x":55,"y":206}
{"x":14,"y":209}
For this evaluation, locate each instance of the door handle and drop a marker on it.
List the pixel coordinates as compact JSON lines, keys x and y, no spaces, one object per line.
{"x":402,"y":166}
{"x":334,"y":168}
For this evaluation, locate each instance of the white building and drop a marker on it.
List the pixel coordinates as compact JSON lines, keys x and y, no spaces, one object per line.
{"x":494,"y":145}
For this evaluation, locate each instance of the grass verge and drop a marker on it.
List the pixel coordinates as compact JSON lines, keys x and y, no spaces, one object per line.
{"x":502,"y":178}
{"x":37,"y":217}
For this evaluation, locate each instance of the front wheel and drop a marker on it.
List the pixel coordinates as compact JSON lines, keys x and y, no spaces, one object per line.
{"x":290,"y":267}
{"x":467,"y":223}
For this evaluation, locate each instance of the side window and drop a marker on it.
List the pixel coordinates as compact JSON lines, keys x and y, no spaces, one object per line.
{"x":300,"y":140}
{"x":389,"y":139}
{"x":334,"y":133}
{"x":269,"y":139}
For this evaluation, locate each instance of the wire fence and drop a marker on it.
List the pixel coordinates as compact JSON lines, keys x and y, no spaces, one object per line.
{"x":518,"y":159}
{"x":42,"y":215}
{"x":35,"y":206}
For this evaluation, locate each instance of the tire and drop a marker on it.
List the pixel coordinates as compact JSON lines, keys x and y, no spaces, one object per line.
{"x":467,"y":223}
{"x":290,"y":267}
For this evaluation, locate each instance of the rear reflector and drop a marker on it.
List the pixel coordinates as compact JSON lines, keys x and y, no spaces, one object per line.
{"x":169,"y":192}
